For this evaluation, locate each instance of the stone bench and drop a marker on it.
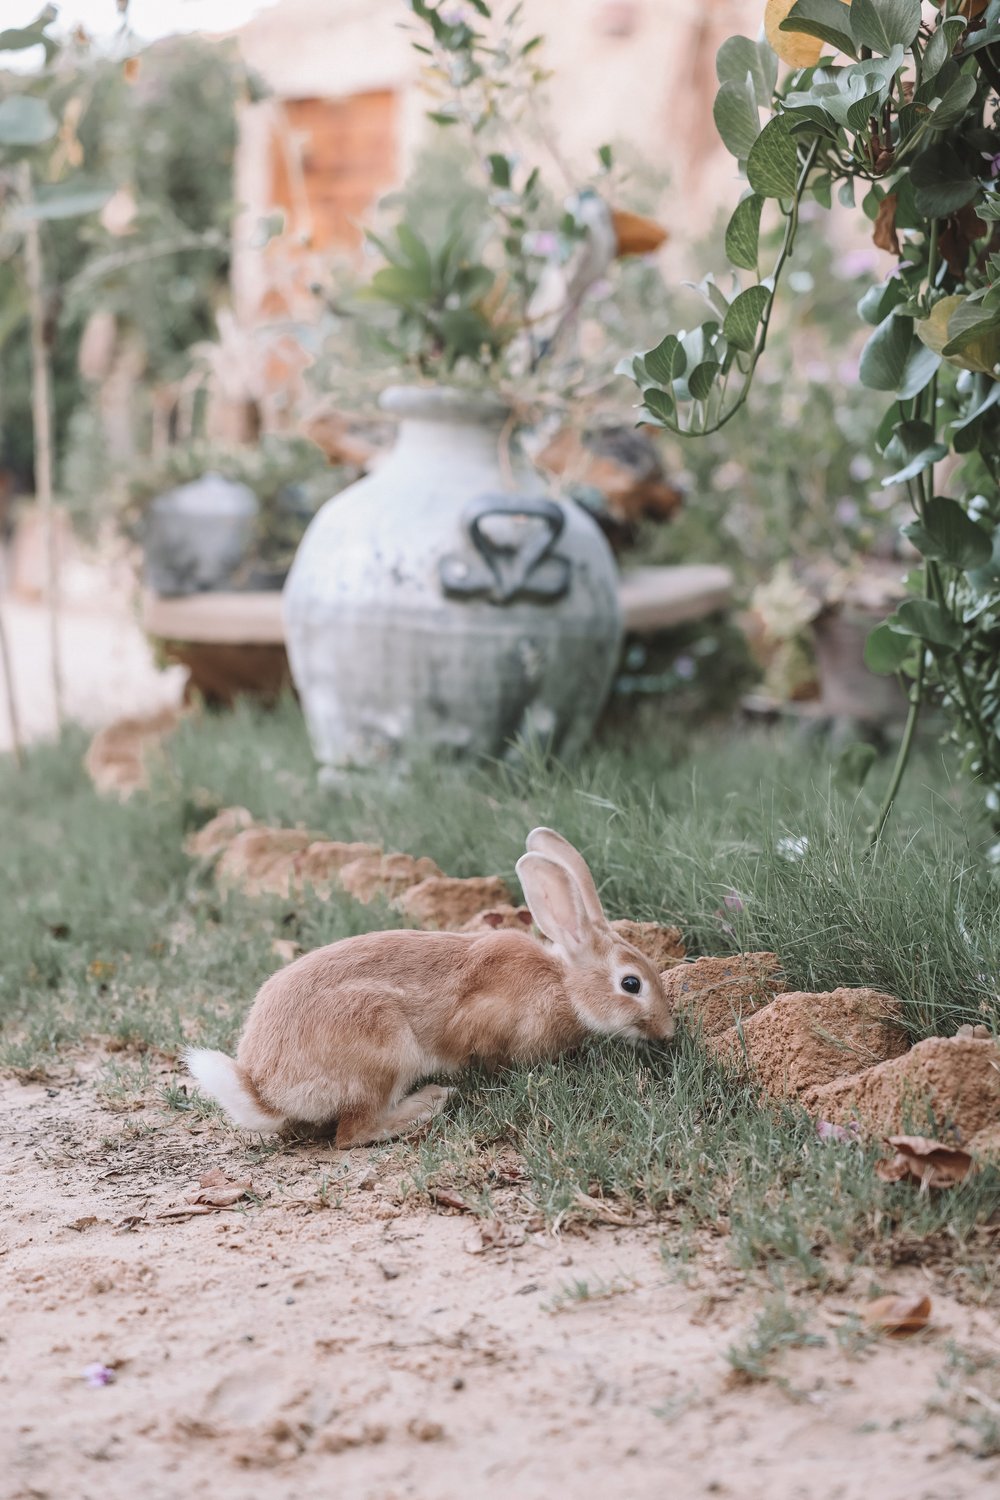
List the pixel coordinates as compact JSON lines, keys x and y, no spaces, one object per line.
{"x":233,"y":643}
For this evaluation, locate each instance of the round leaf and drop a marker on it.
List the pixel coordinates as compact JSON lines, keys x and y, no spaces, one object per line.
{"x":743,"y":233}
{"x":772,"y":166}
{"x":884,"y":24}
{"x":25,"y":121}
{"x":793,"y":47}
{"x":736,"y":117}
{"x":886,"y":650}
{"x":742,"y":320}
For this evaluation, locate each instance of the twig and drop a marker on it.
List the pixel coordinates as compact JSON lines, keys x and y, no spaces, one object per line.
{"x":8,"y":677}
{"x":41,"y":408}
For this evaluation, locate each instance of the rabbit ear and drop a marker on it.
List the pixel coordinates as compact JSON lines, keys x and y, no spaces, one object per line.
{"x":554,"y":900}
{"x":546,"y":841}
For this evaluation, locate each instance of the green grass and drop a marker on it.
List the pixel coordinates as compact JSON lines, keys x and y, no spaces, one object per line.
{"x":108,"y":931}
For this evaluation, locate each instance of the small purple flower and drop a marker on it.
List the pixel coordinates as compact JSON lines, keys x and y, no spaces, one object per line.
{"x":994,"y":162}
{"x":97,"y":1374}
{"x":685,"y":668}
{"x":733,"y":901}
{"x":542,"y":242}
{"x":847,"y":512}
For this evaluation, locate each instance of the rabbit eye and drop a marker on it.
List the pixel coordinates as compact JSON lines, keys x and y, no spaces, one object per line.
{"x":631,"y":984}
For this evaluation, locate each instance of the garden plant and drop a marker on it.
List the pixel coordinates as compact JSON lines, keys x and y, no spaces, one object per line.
{"x":892,"y":107}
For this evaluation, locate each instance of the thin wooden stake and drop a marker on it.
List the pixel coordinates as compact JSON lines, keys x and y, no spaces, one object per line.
{"x":41,"y":408}
{"x":8,"y":677}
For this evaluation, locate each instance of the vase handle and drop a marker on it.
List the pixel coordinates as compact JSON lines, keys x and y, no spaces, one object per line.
{"x":525,"y":568}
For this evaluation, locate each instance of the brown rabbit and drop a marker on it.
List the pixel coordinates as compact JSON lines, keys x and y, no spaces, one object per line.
{"x":343,"y":1032}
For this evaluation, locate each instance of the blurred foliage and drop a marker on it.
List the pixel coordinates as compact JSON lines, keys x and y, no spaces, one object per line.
{"x":159,"y":132}
{"x":289,"y":475}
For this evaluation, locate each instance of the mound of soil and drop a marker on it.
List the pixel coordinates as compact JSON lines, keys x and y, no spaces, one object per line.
{"x":516,"y":917}
{"x":217,"y":834}
{"x":261,"y":861}
{"x":446,"y":904}
{"x":802,"y":1040}
{"x":320,"y":864}
{"x":117,"y":756}
{"x":711,"y":993}
{"x":663,"y":946}
{"x":957,"y":1078}
{"x":385,"y":875}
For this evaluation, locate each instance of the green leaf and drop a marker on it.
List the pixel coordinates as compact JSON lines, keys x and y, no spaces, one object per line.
{"x":772,"y":166}
{"x":660,"y":403}
{"x":25,"y":121}
{"x":886,"y":650}
{"x":65,"y":200}
{"x":953,"y":103}
{"x":742,"y":321}
{"x":739,"y":56}
{"x":893,"y":359}
{"x":702,"y":379}
{"x":736,"y":117}
{"x":914,"y":448}
{"x":499,"y":169}
{"x":830,"y":20}
{"x":605,"y":157}
{"x":879,"y":300}
{"x":398,"y":284}
{"x":667,"y":361}
{"x":926,"y":620}
{"x":440,"y":118}
{"x":743,"y":233}
{"x":941,"y":46}
{"x":941,"y":183}
{"x":884,"y":24}
{"x":948,"y":534}
{"x":968,"y":324}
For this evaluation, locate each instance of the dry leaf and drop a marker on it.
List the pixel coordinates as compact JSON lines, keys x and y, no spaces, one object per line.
{"x":494,"y":1234}
{"x":934,"y":1164}
{"x":884,"y":234}
{"x":183,"y":1211}
{"x":894,"y":1314}
{"x":86,"y":1223}
{"x":215,"y":1190}
{"x":445,"y":1198}
{"x":603,"y":1211}
{"x":793,"y":47}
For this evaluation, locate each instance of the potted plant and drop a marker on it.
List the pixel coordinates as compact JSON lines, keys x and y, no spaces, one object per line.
{"x":446,"y":603}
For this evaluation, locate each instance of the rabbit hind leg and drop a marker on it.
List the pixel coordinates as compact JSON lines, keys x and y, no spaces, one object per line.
{"x":367,"y":1128}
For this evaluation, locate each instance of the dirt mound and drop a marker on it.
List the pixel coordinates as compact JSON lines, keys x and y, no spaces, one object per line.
{"x":320,"y":863}
{"x":803,"y":1040}
{"x":217,"y":834}
{"x":663,"y":946}
{"x":385,"y":875}
{"x":957,"y":1078}
{"x":516,"y":917}
{"x":447,"y":904}
{"x":711,"y":993}
{"x":117,"y":757}
{"x":985,"y":1144}
{"x":261,"y":861}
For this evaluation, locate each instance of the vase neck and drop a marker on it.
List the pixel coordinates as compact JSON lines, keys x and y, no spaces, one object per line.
{"x":463,"y":442}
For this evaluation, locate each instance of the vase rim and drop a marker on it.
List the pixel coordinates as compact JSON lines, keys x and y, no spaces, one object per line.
{"x":444,"y":403}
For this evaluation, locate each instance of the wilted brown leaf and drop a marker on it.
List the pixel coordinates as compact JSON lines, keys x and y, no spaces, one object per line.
{"x":934,"y":1164}
{"x":884,"y":234}
{"x":445,"y":1198}
{"x":215,"y":1190}
{"x":494,"y":1234}
{"x":893,"y":1314}
{"x":603,"y":1211}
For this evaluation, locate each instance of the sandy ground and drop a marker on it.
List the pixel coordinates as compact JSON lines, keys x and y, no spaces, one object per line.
{"x":335,"y":1337}
{"x":107,"y":664}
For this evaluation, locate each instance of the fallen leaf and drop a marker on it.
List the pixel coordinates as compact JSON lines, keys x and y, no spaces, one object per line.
{"x":934,"y":1164}
{"x":603,"y":1211}
{"x":183,"y":1211}
{"x":493,"y":1234}
{"x":894,"y":1314}
{"x":216,"y":1191}
{"x":85,"y":1223}
{"x":445,"y":1198}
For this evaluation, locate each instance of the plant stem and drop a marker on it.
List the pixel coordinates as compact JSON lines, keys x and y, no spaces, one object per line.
{"x":41,"y":409}
{"x":765,"y":321}
{"x":903,"y":755}
{"x":8,"y":677}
